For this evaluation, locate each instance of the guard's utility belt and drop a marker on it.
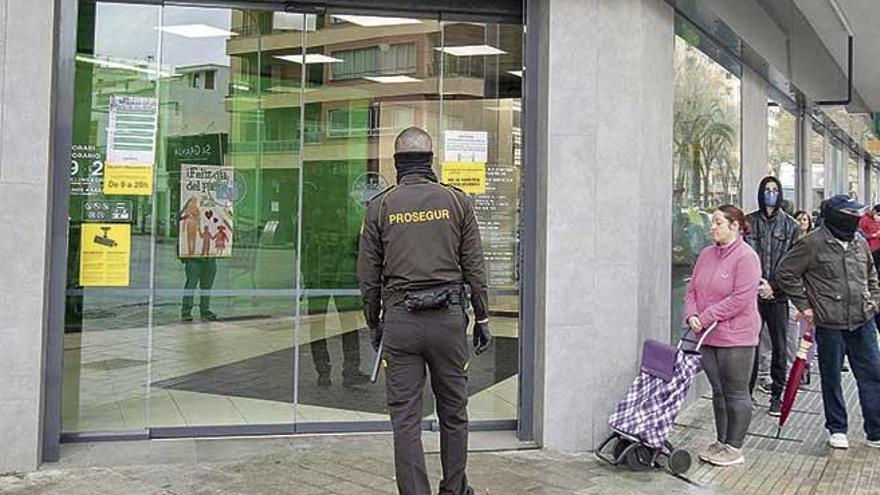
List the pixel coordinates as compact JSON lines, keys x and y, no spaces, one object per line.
{"x":425,"y":299}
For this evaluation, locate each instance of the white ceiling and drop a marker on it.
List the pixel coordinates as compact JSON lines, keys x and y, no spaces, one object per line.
{"x":864,"y":20}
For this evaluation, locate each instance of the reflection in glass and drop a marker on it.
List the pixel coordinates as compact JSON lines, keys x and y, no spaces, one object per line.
{"x":781,"y":150}
{"x":706,"y":158}
{"x":853,"y":176}
{"x":818,"y":169}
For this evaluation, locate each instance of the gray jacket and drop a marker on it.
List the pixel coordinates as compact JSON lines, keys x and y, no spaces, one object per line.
{"x":839,"y":285}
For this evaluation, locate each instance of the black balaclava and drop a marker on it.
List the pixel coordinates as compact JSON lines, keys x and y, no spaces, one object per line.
{"x":414,"y":163}
{"x":762,"y":202}
{"x":841,"y":225}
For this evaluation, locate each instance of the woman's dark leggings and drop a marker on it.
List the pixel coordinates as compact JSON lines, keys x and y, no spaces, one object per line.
{"x":729,"y":370}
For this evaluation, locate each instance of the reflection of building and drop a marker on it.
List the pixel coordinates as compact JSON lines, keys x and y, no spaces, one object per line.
{"x":196,"y":96}
{"x":363,"y":84}
{"x":357,"y":86}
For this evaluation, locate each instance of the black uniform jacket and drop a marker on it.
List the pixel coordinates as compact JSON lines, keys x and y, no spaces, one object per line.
{"x":417,"y":235}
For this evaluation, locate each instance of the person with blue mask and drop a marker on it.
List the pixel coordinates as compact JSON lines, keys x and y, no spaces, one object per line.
{"x":773,"y":233}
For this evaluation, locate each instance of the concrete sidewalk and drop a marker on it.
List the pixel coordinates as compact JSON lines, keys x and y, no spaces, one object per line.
{"x":798,"y":463}
{"x":349,"y":464}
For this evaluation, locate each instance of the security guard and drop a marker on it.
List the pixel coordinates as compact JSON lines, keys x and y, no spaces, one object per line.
{"x":420,"y":246}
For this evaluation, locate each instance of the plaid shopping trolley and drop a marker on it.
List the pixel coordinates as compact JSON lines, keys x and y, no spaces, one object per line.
{"x":643,"y":419}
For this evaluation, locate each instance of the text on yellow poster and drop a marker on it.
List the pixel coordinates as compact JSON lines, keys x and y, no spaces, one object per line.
{"x":467,"y":176}
{"x":105,"y":255}
{"x":132,"y":180}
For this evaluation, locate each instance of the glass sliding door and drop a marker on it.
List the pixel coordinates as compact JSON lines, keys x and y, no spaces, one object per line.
{"x":224,"y":316}
{"x":222,"y":162}
{"x":481,"y":101}
{"x":107,"y":318}
{"x":368,"y":79}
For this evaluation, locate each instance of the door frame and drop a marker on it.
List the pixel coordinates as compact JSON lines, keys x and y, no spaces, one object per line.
{"x":64,"y":64}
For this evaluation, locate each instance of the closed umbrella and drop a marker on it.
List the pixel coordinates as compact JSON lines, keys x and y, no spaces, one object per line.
{"x":794,"y":378}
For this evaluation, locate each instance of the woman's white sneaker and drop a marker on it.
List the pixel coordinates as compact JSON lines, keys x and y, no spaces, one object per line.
{"x":873,"y":443}
{"x":838,"y":441}
{"x":711,"y":450}
{"x":726,"y":456}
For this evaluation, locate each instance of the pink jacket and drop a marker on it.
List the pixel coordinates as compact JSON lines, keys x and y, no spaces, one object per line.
{"x":724,"y":288}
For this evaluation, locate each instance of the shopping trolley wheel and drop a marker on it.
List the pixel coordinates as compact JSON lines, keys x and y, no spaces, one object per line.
{"x":679,"y":461}
{"x":639,"y":458}
{"x":619,"y":447}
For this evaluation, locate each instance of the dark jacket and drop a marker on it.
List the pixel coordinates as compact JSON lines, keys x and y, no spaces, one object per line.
{"x":418,"y":235}
{"x":840,"y":286}
{"x":771,"y":237}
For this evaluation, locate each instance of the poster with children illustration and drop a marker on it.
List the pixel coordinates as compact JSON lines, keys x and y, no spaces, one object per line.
{"x":207,"y":195}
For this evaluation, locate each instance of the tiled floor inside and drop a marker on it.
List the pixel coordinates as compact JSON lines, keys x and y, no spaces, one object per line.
{"x":115,"y":388}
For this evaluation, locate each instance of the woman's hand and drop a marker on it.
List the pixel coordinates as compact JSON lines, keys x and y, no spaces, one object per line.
{"x":695,"y":324}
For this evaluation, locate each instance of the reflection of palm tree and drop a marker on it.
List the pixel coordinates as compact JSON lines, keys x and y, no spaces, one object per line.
{"x":704,"y":128}
{"x":703,"y":135}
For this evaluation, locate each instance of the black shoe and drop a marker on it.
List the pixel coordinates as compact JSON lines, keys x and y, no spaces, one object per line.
{"x":209,"y":315}
{"x":469,"y":491}
{"x":186,"y":317}
{"x":775,"y":407}
{"x":324,"y":381}
{"x":355,"y":379}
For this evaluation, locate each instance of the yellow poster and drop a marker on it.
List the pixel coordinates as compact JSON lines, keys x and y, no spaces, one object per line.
{"x":105,"y":255}
{"x":133,"y":180}
{"x":873,"y":146}
{"x":467,"y":176}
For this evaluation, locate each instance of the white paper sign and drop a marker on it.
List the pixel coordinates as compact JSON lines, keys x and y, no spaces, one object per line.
{"x":131,"y":134}
{"x":466,"y":146}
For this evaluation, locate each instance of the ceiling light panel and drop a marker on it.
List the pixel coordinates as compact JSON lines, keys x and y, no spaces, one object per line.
{"x":471,"y":50}
{"x":392,"y":79}
{"x":196,"y":31}
{"x":311,"y":58}
{"x":372,"y":21}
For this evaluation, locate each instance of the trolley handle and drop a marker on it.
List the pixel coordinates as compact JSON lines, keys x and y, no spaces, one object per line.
{"x":702,"y":337}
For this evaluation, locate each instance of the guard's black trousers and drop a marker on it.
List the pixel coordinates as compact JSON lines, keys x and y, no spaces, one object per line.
{"x":412,"y":340}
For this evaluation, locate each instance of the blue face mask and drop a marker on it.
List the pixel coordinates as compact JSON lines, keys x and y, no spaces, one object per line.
{"x":770,"y":198}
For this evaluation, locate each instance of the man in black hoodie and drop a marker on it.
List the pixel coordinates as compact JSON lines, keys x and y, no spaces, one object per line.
{"x":773,"y":233}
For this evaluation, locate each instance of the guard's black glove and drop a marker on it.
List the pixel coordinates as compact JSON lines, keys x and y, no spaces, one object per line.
{"x":482,"y":337}
{"x":376,"y":337}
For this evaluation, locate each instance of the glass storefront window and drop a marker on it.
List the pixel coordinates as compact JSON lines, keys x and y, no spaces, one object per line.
{"x":854,"y":173}
{"x":706,"y":158}
{"x":874,"y":178}
{"x":817,"y":169}
{"x":839,"y":169}
{"x":263,"y":135}
{"x":781,"y":150}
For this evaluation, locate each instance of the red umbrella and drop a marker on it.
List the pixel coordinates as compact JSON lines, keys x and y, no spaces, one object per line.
{"x":794,"y":377}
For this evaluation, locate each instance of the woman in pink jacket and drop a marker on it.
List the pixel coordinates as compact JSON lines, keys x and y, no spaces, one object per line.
{"x":724,"y":291}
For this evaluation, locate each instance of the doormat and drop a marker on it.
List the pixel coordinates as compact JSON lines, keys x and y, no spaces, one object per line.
{"x":270,"y":376}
